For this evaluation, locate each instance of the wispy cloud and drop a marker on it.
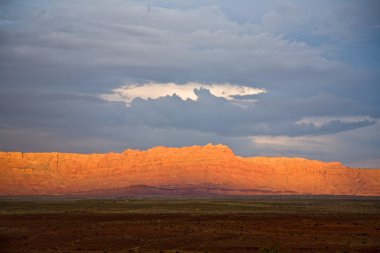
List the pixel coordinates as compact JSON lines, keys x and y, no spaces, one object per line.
{"x":320,"y":121}
{"x":151,"y":90}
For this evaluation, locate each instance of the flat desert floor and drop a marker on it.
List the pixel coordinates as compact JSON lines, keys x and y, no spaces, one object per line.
{"x":264,"y":224}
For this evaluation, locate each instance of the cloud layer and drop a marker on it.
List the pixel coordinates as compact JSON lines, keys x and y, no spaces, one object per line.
{"x":127,"y":93}
{"x":265,"y":77}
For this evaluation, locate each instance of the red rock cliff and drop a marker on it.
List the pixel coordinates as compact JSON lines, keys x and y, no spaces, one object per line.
{"x":187,"y":171}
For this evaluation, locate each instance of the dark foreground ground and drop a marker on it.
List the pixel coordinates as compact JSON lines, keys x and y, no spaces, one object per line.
{"x":190,"y":225}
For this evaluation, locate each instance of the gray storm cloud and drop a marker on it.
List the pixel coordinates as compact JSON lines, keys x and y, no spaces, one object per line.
{"x":105,"y":76}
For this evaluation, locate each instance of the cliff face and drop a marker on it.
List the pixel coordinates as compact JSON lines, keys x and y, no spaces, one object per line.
{"x":171,"y":171}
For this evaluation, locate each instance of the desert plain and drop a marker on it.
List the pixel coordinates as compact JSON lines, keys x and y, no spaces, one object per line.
{"x":161,"y":224}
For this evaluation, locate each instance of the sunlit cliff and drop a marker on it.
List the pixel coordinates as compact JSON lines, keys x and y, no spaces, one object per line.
{"x":195,"y":170}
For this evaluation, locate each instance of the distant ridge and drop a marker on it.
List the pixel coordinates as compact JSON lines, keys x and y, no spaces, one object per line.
{"x":187,"y":171}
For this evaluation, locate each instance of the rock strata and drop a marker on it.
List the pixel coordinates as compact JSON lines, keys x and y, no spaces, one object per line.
{"x":195,"y":170}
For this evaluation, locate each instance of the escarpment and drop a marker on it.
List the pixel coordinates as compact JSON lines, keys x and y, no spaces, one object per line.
{"x":195,"y":170}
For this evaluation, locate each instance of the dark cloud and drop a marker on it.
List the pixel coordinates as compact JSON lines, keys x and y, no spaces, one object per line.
{"x":218,"y":115}
{"x":70,"y":48}
{"x":85,"y":115}
{"x":56,"y":58}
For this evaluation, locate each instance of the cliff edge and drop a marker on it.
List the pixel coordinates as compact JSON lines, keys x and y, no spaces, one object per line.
{"x":195,"y":170}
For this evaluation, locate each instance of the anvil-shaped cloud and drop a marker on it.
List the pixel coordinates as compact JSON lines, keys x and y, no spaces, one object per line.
{"x":151,"y":90}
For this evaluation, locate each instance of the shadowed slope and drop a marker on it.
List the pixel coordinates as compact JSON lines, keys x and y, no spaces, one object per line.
{"x":196,"y":170}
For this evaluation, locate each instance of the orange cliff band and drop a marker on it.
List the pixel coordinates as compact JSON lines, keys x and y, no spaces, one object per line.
{"x":195,"y":170}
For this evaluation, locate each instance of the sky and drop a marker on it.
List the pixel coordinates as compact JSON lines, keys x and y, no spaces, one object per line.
{"x":267,"y":78}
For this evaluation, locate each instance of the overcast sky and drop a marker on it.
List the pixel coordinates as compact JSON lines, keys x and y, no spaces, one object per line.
{"x":272,"y":78}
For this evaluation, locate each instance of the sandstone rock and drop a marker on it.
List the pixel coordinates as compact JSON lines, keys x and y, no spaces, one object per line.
{"x":196,"y":170}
